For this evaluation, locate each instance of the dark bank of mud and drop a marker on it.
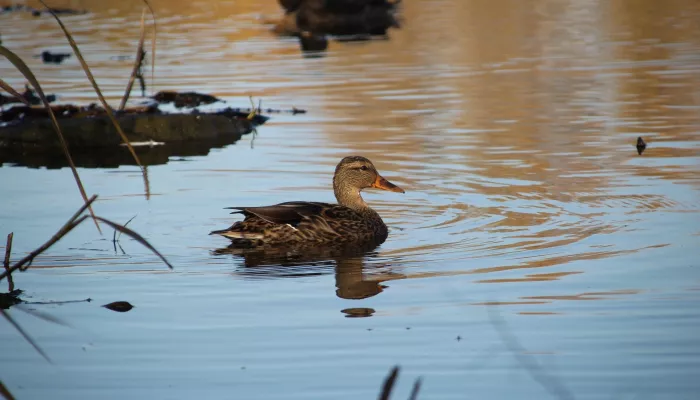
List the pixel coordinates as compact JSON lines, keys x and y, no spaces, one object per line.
{"x":150,"y":153}
{"x":82,"y":127}
{"x":28,"y":137}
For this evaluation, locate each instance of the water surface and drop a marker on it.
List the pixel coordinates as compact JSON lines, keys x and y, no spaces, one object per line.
{"x":535,"y":254}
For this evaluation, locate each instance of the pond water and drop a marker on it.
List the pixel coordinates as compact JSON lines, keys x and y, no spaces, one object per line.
{"x":534,"y":254}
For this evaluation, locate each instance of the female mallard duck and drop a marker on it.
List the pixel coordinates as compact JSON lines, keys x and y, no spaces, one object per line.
{"x":351,"y":221}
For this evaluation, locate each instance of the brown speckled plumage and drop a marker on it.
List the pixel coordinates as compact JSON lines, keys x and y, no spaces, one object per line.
{"x":311,"y":223}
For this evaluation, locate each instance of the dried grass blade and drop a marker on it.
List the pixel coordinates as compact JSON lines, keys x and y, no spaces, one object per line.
{"x":22,"y":67}
{"x":127,"y":223}
{"x":146,"y":183}
{"x":42,"y":315}
{"x":153,"y":46}
{"x":24,"y":263}
{"x":549,"y":382}
{"x":9,"y":89}
{"x":91,"y":78}
{"x":8,"y":249}
{"x":5,"y":392}
{"x":25,"y":335}
{"x":389,"y":384}
{"x":6,"y":263}
{"x":67,"y":227}
{"x":137,"y":62}
{"x":137,"y":237}
{"x":416,"y":389}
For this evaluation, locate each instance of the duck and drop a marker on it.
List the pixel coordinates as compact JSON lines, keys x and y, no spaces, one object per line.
{"x":302,"y":223}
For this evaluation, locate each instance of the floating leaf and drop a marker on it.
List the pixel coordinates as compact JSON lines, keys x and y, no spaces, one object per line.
{"x":119,"y":306}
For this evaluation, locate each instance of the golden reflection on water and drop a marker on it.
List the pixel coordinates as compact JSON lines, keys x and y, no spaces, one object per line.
{"x":533,"y":108}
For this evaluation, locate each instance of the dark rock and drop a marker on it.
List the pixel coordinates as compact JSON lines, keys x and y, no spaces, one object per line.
{"x":346,"y":17}
{"x":338,"y":17}
{"x":9,"y":299}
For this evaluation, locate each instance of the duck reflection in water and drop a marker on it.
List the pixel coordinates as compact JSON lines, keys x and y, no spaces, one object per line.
{"x":302,"y":231}
{"x":348,"y":263}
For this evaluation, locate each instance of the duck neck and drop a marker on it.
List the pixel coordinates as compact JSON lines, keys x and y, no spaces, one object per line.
{"x":349,"y":197}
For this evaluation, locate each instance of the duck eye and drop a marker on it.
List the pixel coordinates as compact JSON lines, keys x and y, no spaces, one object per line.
{"x":363,"y":168}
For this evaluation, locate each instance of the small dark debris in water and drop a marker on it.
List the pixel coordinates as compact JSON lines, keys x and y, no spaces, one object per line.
{"x":369,"y":329}
{"x":408,"y":328}
{"x":29,"y":95}
{"x":243,"y":367}
{"x":119,"y":306}
{"x":184,"y":99}
{"x":459,"y":338}
{"x":641,"y":145}
{"x":53,"y":58}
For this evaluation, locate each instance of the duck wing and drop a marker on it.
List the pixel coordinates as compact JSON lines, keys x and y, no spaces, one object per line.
{"x":289,"y":213}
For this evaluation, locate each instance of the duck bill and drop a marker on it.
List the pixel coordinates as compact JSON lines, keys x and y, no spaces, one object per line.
{"x":381,"y":183}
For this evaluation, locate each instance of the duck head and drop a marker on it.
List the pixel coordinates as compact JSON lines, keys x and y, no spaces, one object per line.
{"x":355,"y":173}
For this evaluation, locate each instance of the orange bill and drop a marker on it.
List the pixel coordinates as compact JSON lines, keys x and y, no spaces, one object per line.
{"x":381,"y":183}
